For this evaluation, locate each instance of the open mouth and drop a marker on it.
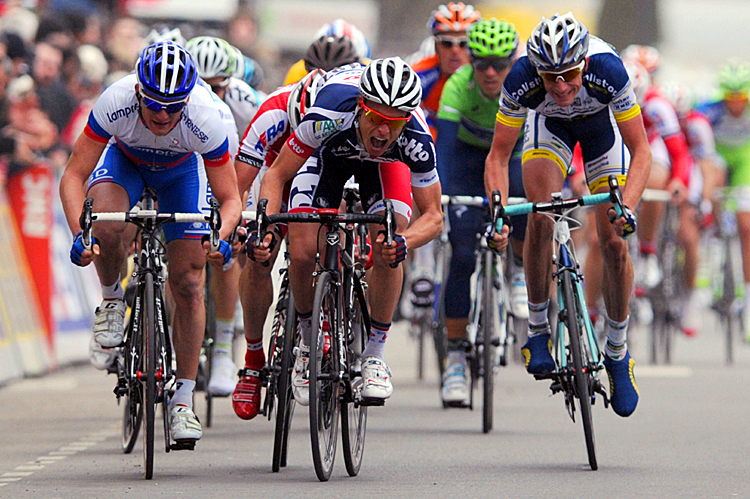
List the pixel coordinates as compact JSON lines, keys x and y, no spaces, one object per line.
{"x":378,"y":143}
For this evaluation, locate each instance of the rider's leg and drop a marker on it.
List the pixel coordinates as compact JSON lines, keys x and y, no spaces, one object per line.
{"x":649,"y":219}
{"x":743,"y":229}
{"x":186,"y":279}
{"x":541,"y":178}
{"x":689,"y":237}
{"x":593,"y":268}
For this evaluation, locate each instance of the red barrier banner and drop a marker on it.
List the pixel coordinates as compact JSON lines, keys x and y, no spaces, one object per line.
{"x":30,"y":198}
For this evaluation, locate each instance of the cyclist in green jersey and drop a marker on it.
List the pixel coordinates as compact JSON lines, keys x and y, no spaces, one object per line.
{"x":730,"y":119}
{"x":466,"y":121}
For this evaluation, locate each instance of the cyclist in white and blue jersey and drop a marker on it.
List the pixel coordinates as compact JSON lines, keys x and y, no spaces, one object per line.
{"x":365,"y":122}
{"x":572,"y":87}
{"x":149,"y":129}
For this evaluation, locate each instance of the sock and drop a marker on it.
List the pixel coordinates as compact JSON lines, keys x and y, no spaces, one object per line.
{"x":224,"y":338}
{"x":255,"y":357}
{"x":114,"y":291}
{"x":538,"y":316}
{"x":376,"y":342}
{"x":617,"y":333}
{"x":183,"y":395}
{"x":648,"y":248}
{"x":305,"y":322}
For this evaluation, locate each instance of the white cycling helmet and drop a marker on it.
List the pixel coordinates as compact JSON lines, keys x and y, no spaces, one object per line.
{"x":165,"y":35}
{"x":391,"y":82}
{"x":340,"y":28}
{"x":680,"y":96}
{"x":639,"y":78}
{"x":558,"y":43}
{"x":303,"y":96}
{"x":213,"y":56}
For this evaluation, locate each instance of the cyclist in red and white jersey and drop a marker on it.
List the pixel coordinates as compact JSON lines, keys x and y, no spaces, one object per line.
{"x":216,"y":60}
{"x":269,"y":130}
{"x":670,"y":167}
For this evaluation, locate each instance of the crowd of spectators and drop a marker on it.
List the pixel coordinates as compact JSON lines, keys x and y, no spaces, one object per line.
{"x":56,"y":57}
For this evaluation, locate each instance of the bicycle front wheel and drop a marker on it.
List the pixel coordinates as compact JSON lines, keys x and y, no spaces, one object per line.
{"x":489,"y":309}
{"x":324,"y":377}
{"x":148,"y":330}
{"x":581,"y":373}
{"x":285,"y":404}
{"x":132,"y":407}
{"x":354,"y":415}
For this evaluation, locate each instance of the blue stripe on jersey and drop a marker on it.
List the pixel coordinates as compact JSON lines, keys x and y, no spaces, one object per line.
{"x":219,"y":151}
{"x":94,"y":125}
{"x":337,"y":97}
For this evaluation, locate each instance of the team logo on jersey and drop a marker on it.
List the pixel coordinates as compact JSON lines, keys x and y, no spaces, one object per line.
{"x":175,"y":142}
{"x":121,"y":113}
{"x":413,"y":149}
{"x":527,"y":87}
{"x":324,"y":129}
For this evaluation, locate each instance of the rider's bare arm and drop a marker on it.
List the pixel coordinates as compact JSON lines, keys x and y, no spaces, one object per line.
{"x":429,"y":225}
{"x":83,"y":160}
{"x":283,"y":169}
{"x":634,"y":137}
{"x":496,"y":164}
{"x":223,"y":181}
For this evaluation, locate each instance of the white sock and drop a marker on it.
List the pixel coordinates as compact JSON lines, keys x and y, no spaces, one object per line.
{"x":224,"y":338}
{"x":538,"y":314}
{"x":617,"y":335}
{"x":114,"y":291}
{"x":376,"y":342}
{"x":183,"y":395}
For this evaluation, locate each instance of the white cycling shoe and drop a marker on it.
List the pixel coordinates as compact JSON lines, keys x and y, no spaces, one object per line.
{"x":109,"y":328}
{"x":455,"y":391}
{"x":101,"y":357}
{"x":301,"y":376}
{"x":376,"y":378}
{"x":184,"y":424}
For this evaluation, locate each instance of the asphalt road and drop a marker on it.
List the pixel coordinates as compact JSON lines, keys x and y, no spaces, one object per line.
{"x":689,"y":437}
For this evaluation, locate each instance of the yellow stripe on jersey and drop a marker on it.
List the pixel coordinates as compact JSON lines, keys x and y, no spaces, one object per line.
{"x":509,"y":120}
{"x":543,"y":153}
{"x":629,"y":114}
{"x":604,"y":182}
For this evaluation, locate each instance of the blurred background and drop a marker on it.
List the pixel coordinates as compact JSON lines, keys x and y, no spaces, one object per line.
{"x":57,"y":56}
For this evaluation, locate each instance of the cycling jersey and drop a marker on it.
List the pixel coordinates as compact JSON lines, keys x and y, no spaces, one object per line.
{"x":328,"y":138}
{"x":134,"y":157}
{"x":115,"y":119}
{"x":331,"y":123}
{"x":551,"y":131}
{"x":660,"y":121}
{"x":244,"y":102}
{"x":732,"y":135}
{"x":227,"y":118}
{"x":433,"y":81}
{"x":699,"y":135}
{"x":463,"y":102}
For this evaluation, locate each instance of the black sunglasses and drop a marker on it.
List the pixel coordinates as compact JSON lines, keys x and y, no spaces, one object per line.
{"x":485,"y":63}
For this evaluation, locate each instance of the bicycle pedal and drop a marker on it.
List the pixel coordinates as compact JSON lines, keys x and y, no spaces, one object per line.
{"x":556,"y":387}
{"x":372,"y":402}
{"x":456,"y":405}
{"x":183,"y":445}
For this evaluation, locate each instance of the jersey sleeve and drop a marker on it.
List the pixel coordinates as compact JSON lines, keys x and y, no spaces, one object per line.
{"x":417,"y":150}
{"x":450,"y":100}
{"x":522,"y":90}
{"x":213,"y":145}
{"x":267,"y":128}
{"x":616,"y":84}
{"x":109,"y":115}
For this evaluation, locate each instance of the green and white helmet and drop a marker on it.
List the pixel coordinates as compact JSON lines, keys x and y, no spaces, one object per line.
{"x":493,"y":38}
{"x":734,"y":77}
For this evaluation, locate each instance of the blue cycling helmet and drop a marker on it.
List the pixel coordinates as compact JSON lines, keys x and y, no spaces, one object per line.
{"x":558,"y":43}
{"x":166,"y":72}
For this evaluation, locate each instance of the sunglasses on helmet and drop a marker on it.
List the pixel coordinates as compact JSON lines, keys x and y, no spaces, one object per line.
{"x":568,"y":75}
{"x":448,"y":42}
{"x":156,"y":106}
{"x":485,"y":63}
{"x":378,"y":119}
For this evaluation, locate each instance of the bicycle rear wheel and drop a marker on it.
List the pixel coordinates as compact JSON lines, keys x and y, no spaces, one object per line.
{"x":324,"y":382}
{"x":285,"y":404}
{"x":489,"y":309}
{"x":148,"y":330}
{"x":354,"y":415}
{"x":581,"y":374}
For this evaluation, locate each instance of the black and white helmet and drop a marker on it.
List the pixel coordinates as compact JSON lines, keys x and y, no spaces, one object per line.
{"x":303,"y":96}
{"x":213,"y":56}
{"x":391,"y":82}
{"x":558,"y":43}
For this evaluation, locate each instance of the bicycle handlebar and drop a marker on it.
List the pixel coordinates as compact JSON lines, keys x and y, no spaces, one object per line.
{"x":88,"y":217}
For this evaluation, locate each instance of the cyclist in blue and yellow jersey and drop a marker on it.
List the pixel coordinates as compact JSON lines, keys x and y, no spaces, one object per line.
{"x":215,"y":60}
{"x":148,"y":129}
{"x":466,"y":120}
{"x":449,"y":25}
{"x":337,"y":29}
{"x":730,"y":118}
{"x":571,"y":87}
